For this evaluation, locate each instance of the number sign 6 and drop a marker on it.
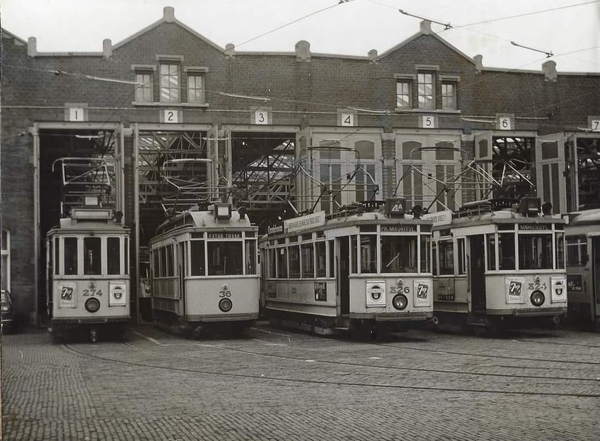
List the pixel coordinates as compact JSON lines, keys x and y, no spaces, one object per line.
{"x":504,"y":123}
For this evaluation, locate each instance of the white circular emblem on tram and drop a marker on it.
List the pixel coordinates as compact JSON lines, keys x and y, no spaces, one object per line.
{"x":118,"y":292}
{"x":375,"y":292}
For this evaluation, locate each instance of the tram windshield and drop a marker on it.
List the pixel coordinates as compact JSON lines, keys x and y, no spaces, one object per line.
{"x":535,"y":251}
{"x":399,"y":254}
{"x":225,"y":258}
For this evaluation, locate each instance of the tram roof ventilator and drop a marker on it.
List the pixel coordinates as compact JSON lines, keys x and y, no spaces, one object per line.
{"x":527,"y":206}
{"x":91,"y":210}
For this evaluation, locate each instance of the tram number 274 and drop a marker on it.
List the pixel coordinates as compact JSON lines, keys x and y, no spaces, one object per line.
{"x":92,"y":292}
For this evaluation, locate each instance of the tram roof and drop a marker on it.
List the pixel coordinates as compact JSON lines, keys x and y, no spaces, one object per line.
{"x":204,"y":220}
{"x":500,"y":217}
{"x":83,"y":226}
{"x":585,"y":217}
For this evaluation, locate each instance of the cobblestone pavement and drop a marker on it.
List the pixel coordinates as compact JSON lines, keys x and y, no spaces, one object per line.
{"x":274,"y":384}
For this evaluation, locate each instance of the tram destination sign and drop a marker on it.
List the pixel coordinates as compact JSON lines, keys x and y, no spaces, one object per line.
{"x":534,"y":227}
{"x":229,"y":235}
{"x":304,"y":222}
{"x":398,"y":228}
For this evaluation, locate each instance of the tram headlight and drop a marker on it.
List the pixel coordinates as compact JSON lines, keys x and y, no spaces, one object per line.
{"x":225,"y":305}
{"x":400,"y":302}
{"x":92,"y":304}
{"x":537,"y":298}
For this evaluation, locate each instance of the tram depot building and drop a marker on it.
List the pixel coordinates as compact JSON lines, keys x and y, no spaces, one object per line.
{"x":279,"y":132}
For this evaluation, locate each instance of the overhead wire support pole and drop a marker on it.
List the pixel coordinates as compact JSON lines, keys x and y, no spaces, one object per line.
{"x":446,"y":25}
{"x":548,"y":54}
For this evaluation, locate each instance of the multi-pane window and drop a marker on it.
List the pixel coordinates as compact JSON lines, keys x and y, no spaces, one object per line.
{"x":366,"y":184}
{"x":143,"y":90}
{"x":196,"y":89}
{"x":5,"y":260}
{"x":403,"y":100}
{"x":426,"y":91}
{"x":169,"y":83}
{"x":448,"y":96}
{"x":577,"y":253}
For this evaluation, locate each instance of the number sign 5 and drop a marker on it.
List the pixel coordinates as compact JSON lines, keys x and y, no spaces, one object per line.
{"x":428,"y":122}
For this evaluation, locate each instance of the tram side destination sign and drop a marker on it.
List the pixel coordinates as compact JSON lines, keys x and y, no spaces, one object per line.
{"x":304,"y":222}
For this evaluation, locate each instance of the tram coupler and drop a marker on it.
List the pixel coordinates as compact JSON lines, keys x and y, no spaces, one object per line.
{"x":197,"y":331}
{"x":93,"y":335}
{"x":556,"y":321}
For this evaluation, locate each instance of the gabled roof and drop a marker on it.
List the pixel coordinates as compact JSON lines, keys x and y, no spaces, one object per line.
{"x":168,"y":17}
{"x":11,"y":35}
{"x":425,"y":30}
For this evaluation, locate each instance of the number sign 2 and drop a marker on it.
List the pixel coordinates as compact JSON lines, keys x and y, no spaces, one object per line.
{"x":428,"y":122}
{"x":171,"y":116}
{"x":261,"y":117}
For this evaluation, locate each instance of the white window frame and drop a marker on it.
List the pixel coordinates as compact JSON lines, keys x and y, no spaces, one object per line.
{"x":426,"y":101}
{"x":173,"y":92}
{"x":6,"y":259}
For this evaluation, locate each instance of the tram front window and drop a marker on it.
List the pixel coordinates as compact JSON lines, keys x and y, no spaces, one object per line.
{"x":368,"y":254}
{"x":197,"y":261}
{"x":114,"y":255}
{"x":535,"y":251}
{"x":399,"y":254}
{"x":70,"y":252}
{"x":225,"y":258}
{"x":506,"y":250}
{"x":92,"y":255}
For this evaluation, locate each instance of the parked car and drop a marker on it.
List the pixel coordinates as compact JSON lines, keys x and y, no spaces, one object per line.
{"x":8,"y":313}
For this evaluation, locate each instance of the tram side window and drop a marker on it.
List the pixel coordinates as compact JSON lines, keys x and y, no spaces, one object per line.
{"x":354,"y":254}
{"x":197,"y":262}
{"x":70,"y":257}
{"x":155,"y":259}
{"x":271,"y":262}
{"x":282,"y":267}
{"x":331,"y":258}
{"x":251,"y":256}
{"x":225,"y":258}
{"x":170,"y":263}
{"x":434,"y":259}
{"x":126,"y":263}
{"x":321,"y":259}
{"x":506,"y":251}
{"x":294,"y":262}
{"x":399,"y":254}
{"x":491,"y":252}
{"x":56,"y":256}
{"x":461,"y":255}
{"x":577,"y":252}
{"x":425,"y":253}
{"x":535,"y":251}
{"x":113,"y":248}
{"x":368,"y":254}
{"x":308,"y":270}
{"x":92,"y":256}
{"x":560,"y":251}
{"x":163,"y":261}
{"x":446,"y":250}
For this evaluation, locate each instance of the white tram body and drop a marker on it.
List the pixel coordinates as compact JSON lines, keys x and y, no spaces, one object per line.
{"x":583,"y":266}
{"x":204,"y":270}
{"x":495,"y":267}
{"x":351,"y":272}
{"x":88,"y":273}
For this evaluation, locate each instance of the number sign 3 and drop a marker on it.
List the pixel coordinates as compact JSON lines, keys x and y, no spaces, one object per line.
{"x":171,"y":116}
{"x":261,"y":117}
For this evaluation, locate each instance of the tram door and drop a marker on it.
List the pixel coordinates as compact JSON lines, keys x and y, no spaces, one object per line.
{"x":477,"y":272}
{"x":596,"y":271}
{"x":343,"y":274}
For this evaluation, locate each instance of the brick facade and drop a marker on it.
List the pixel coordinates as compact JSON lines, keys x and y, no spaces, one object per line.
{"x":305,"y":90}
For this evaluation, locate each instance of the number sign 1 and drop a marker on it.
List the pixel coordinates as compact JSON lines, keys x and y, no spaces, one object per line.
{"x":76,"y":114}
{"x":171,"y":116}
{"x":347,"y":119}
{"x":261,"y":117}
{"x":504,"y":123}
{"x":428,"y":122}
{"x":595,"y":125}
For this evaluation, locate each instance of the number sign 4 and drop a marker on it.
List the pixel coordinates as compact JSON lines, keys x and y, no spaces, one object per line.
{"x":347,"y":119}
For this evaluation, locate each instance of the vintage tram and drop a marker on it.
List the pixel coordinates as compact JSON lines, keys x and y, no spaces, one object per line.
{"x":204,"y":273}
{"x":498,"y":264}
{"x":583,"y":267}
{"x":362,"y":270}
{"x":88,"y":273}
